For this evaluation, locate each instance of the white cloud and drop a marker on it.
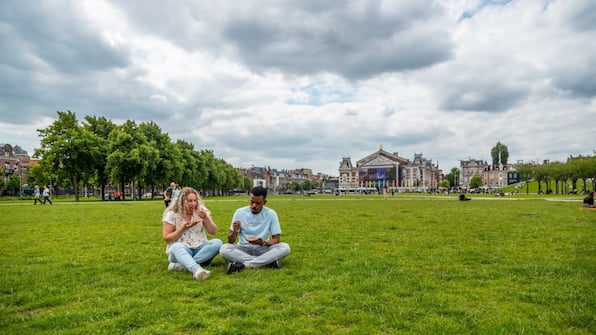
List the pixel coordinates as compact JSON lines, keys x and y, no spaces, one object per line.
{"x":303,"y":84}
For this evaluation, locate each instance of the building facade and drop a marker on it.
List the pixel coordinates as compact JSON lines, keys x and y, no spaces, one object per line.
{"x":422,"y":173}
{"x":14,"y":160}
{"x":348,"y":175}
{"x":493,"y":176}
{"x":276,"y":181}
{"x":383,"y":170}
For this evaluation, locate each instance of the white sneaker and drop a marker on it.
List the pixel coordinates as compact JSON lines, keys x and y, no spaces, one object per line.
{"x":201,"y":274}
{"x":176,"y":267}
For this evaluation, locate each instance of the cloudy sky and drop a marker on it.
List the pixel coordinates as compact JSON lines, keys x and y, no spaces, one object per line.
{"x":293,"y":84}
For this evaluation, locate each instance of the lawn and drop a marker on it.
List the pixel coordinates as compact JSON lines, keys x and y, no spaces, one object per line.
{"x":359,"y":265}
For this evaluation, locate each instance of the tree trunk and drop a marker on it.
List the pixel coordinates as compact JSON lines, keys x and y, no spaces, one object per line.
{"x":75,"y":184}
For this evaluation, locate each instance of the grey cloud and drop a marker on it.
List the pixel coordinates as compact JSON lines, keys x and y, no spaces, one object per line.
{"x":51,"y":52}
{"x":579,"y":83}
{"x":580,"y":14}
{"x":481,"y":96}
{"x":355,"y":44}
{"x":189,"y":24}
{"x":576,"y":75}
{"x":55,"y":36}
{"x":270,"y":141}
{"x":410,"y":138}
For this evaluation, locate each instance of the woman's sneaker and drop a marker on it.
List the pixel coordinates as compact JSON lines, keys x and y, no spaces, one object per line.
{"x":201,"y":274}
{"x":176,"y":267}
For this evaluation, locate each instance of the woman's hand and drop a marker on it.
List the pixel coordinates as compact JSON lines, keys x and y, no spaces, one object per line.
{"x":202,"y":213}
{"x":194,"y":219}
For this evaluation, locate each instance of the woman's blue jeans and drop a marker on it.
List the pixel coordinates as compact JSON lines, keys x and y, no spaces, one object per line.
{"x":191,"y":257}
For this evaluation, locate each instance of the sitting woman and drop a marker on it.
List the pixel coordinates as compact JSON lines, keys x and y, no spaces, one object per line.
{"x":185,"y":223}
{"x":589,"y":200}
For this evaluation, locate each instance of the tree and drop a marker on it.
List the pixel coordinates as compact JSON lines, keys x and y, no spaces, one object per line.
{"x":306,"y":185}
{"x":69,"y":148}
{"x":452,"y":177}
{"x":500,"y":154}
{"x":101,"y":127}
{"x":130,"y":154}
{"x":527,"y":172}
{"x":13,"y":184}
{"x":540,"y":175}
{"x":192,"y":173}
{"x":560,"y":173}
{"x":232,"y":178}
{"x":475,"y":182}
{"x":587,"y":169}
{"x":591,"y":170}
{"x":214,"y":175}
{"x":168,"y":165}
{"x":246,"y":183}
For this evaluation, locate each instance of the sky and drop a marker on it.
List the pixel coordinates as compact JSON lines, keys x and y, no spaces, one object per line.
{"x":302,"y":84}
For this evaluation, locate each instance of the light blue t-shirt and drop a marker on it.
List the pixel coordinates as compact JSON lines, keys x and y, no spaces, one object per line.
{"x":257,"y":225}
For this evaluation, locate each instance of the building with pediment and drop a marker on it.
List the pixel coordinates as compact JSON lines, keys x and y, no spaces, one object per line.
{"x":383,"y":170}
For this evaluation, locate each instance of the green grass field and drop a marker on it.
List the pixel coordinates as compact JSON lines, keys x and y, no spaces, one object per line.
{"x":359,"y":265}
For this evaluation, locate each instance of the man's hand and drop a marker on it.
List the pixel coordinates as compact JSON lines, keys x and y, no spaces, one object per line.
{"x":255,"y":240}
{"x":236,"y":226}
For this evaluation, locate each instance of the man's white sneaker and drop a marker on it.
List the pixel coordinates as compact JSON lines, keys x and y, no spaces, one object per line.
{"x":201,"y":274}
{"x":176,"y":267}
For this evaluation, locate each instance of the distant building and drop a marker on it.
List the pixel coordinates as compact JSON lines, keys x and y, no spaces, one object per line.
{"x":422,"y":173}
{"x":493,"y":176}
{"x":276,"y":180}
{"x":348,"y":174}
{"x":14,"y":161}
{"x":469,"y":169}
{"x":389,"y":171}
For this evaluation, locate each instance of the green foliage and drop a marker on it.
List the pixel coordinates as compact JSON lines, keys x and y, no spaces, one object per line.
{"x":101,"y":128}
{"x":452,"y":178}
{"x":99,"y":152}
{"x":359,"y":265}
{"x":13,"y":184}
{"x":476,"y":181}
{"x":577,"y":169}
{"x":69,"y":149}
{"x":166,"y":165}
{"x":499,"y":154}
{"x":445,"y":183}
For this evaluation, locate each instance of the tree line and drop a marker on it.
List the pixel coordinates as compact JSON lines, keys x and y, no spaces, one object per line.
{"x":576,"y":169}
{"x":99,"y":152}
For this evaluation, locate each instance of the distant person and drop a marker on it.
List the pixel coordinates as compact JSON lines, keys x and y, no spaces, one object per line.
{"x":37,"y":195}
{"x":184,"y":225}
{"x":260,"y":232}
{"x":462,"y":197}
{"x":176,"y":193}
{"x":168,"y":194}
{"x":589,"y":200}
{"x":46,"y":195}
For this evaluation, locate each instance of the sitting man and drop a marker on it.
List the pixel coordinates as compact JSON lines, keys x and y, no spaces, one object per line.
{"x":589,"y":200}
{"x":260,"y":232}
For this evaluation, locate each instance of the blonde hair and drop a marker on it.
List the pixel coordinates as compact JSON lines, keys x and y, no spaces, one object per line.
{"x":177,"y":206}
